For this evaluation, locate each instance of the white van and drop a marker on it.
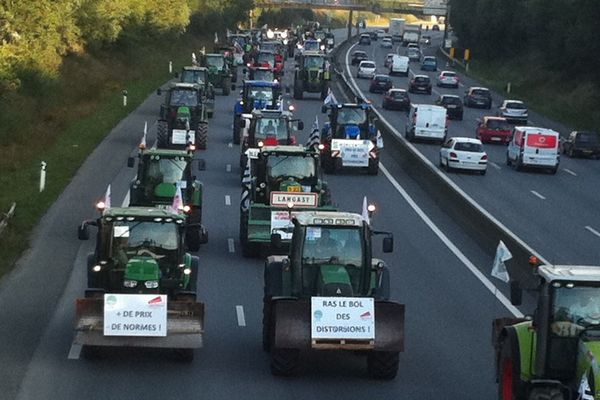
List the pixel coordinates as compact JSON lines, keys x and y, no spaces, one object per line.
{"x":426,"y":121}
{"x":399,"y":65}
{"x":533,"y":147}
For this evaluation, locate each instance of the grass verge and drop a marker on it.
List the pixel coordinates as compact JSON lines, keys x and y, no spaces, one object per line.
{"x":67,"y":118}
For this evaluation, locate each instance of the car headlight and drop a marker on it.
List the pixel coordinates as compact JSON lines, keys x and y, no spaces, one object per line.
{"x":151,"y":284}
{"x":129,"y":283}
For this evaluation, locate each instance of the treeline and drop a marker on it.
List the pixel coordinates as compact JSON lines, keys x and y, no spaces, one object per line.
{"x":560,"y":34}
{"x":35,"y":35}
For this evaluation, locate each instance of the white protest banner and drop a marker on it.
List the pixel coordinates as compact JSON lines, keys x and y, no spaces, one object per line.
{"x":499,"y":269}
{"x":354,"y":153}
{"x":343,"y":318}
{"x":135,"y":314}
{"x":280,"y":220}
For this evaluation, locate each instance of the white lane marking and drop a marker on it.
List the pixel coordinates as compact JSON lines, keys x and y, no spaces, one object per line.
{"x":478,"y":274}
{"x":568,"y":171}
{"x":126,"y":199}
{"x":228,"y":168}
{"x":230,"y":245}
{"x":592,"y":230}
{"x":230,"y":145}
{"x":451,"y":246}
{"x":74,"y":352}
{"x":493,"y":164}
{"x":227,"y":200}
{"x":239,"y":310}
{"x":533,"y":192}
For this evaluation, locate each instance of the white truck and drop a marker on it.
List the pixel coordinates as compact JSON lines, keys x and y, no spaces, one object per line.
{"x":412,"y":34}
{"x":396,"y":29}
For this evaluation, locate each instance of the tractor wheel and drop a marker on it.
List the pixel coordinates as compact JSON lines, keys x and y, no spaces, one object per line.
{"x":185,"y":355}
{"x":92,"y":353}
{"x":210,"y":114}
{"x":162,"y":135}
{"x":266,"y":324}
{"x":509,"y":383}
{"x":324,"y":91}
{"x":92,"y":277}
{"x":284,"y":361}
{"x":243,"y":163}
{"x":250,"y":250}
{"x":226,"y":86}
{"x":298,"y":90}
{"x":373,"y":168}
{"x":236,"y":129}
{"x":202,"y":135}
{"x":194,"y":275}
{"x":383,"y":364}
{"x":546,"y":393}
{"x":327,"y":163}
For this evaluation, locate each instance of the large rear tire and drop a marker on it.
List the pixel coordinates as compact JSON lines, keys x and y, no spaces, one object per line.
{"x":373,"y":168}
{"x":383,"y":364}
{"x":202,"y":135}
{"x":298,"y":90}
{"x":284,"y":362}
{"x":226,"y":86}
{"x":236,"y":129}
{"x":162,"y":135}
{"x":266,"y":323}
{"x":185,"y":355}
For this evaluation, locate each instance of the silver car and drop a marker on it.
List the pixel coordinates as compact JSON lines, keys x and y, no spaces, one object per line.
{"x":514,"y":111}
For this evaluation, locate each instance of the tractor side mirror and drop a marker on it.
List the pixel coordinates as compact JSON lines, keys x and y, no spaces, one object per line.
{"x":195,"y":235}
{"x":130,"y":162}
{"x":275,"y":240}
{"x":159,"y":91}
{"x":176,"y":74}
{"x":83,"y":232}
{"x":323,"y":109}
{"x":516,"y":294}
{"x":388,"y":244}
{"x":300,"y":125}
{"x":233,"y":86}
{"x":201,"y":164}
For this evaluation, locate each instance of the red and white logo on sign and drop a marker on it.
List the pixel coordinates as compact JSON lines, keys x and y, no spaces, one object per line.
{"x":540,"y":140}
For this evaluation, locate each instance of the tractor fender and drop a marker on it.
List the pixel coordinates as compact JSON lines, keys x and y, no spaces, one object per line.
{"x":273,"y":276}
{"x":238,"y":108}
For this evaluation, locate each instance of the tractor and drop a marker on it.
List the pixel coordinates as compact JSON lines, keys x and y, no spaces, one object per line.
{"x":267,"y":128}
{"x":554,"y":354}
{"x":219,"y":73}
{"x":228,"y":53}
{"x":350,"y":138}
{"x":141,"y":262}
{"x":330,"y":293}
{"x":312,"y":75}
{"x":199,"y":75}
{"x":160,"y":172}
{"x":259,"y":95}
{"x":280,"y":178}
{"x":269,"y":59}
{"x":259,"y":73}
{"x":183,"y":117}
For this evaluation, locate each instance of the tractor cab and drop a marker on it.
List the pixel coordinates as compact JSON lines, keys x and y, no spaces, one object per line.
{"x":188,"y":97}
{"x":219,"y":71}
{"x":312,"y":74}
{"x":199,"y":76}
{"x":269,"y":128}
{"x":260,"y":74}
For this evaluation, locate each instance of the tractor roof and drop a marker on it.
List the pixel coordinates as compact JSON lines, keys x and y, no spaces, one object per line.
{"x":288,"y":149}
{"x":142,"y":213}
{"x":261,"y":84}
{"x":364,"y":106}
{"x":334,"y":218}
{"x":270,"y":114}
{"x":313,"y":53}
{"x":579,"y":273}
{"x":167,"y":153}
{"x":194,"y":68}
{"x":183,"y":85}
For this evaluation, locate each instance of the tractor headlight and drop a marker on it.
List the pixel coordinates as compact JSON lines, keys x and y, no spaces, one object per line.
{"x":97,"y":268}
{"x":187,"y":271}
{"x":151,"y":284}
{"x":129,"y":283}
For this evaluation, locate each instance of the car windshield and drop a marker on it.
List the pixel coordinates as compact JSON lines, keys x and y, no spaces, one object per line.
{"x":331,"y":250}
{"x":184,"y":98}
{"x":167,"y":170}
{"x":215,"y":61}
{"x":449,"y":74}
{"x":451,"y":100}
{"x":422,"y":79}
{"x":299,"y":167}
{"x":360,"y":54}
{"x":468,"y":147}
{"x":498,"y":125}
{"x":266,"y":58}
{"x":367,"y":65}
{"x":135,"y":236}
{"x":588,"y":137}
{"x":271,"y":127}
{"x":480,"y":92}
{"x":382,"y":78}
{"x":515,"y":106}
{"x":354,"y":116}
{"x":399,"y":95}
{"x":193,"y":76}
{"x":577,"y":305}
{"x":261,"y":93}
{"x":313,"y":62}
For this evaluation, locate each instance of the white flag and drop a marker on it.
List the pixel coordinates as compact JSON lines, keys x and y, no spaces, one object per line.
{"x":194,"y":59}
{"x":499,"y":269}
{"x":216,"y":38}
{"x":177,"y":205}
{"x":330,"y":99}
{"x":107,"y":198}
{"x":143,"y":142}
{"x":365,"y":210}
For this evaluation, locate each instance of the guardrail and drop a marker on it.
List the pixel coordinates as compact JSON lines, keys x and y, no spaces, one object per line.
{"x":479,"y":224}
{"x":7,"y":216}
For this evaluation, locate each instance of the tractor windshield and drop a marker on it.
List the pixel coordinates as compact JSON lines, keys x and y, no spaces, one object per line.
{"x":165,"y":170}
{"x":266,"y":58}
{"x":262,"y":93}
{"x":263,"y":75}
{"x":310,"y":45}
{"x":574,"y":308}
{"x":193,"y":76}
{"x":187,"y":98}
{"x":351,"y":116}
{"x":271,"y":127}
{"x":299,"y":167}
{"x":313,"y":62}
{"x":138,"y":238}
{"x":216,"y":61}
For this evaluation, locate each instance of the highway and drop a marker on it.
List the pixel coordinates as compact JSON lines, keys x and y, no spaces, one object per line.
{"x":437,"y":271}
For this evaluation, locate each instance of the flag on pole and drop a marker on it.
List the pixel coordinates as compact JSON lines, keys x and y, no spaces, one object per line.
{"x":194,"y":59}
{"x":330,"y":99}
{"x":315,"y":138}
{"x":177,"y":205}
{"x":143,"y":142}
{"x":107,"y":198}
{"x":246,"y":187}
{"x":365,"y":210}
{"x":499,"y":269}
{"x":216,"y":38}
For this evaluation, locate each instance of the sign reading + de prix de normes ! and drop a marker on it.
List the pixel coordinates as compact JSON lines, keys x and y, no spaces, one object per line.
{"x":342,"y":318}
{"x":135,"y":314}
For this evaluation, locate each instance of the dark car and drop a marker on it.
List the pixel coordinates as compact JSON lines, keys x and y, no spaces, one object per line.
{"x":582,"y":143}
{"x":364,"y":39}
{"x":380,"y":84}
{"x":420,"y":84}
{"x":373,"y":35}
{"x":479,"y":97}
{"x":452,"y":104}
{"x":435,"y":28}
{"x":359,"y":56}
{"x":396,"y":99}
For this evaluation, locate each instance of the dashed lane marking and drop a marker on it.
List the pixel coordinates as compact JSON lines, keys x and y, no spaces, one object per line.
{"x":230,"y":245}
{"x":536,"y":194}
{"x":592,"y":230}
{"x":241,"y":318}
{"x":227,"y":200}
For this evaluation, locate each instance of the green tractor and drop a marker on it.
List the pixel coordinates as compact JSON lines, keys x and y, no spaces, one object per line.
{"x":219,"y":74}
{"x":199,"y":75}
{"x":312,"y":75}
{"x":159,"y":173}
{"x":329,"y":293}
{"x":141,"y":283}
{"x":555,"y":354}
{"x":183,"y":118}
{"x":278,"y":179}
{"x":228,"y":53}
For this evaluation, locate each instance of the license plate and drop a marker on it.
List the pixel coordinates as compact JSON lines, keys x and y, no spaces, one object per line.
{"x":496,"y":139}
{"x":294,"y":189}
{"x":451,"y":106}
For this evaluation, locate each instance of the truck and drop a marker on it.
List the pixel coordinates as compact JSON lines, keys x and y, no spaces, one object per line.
{"x":412,"y":34}
{"x":396,"y":29}
{"x":555,"y":353}
{"x":330,"y":271}
{"x":141,"y":283}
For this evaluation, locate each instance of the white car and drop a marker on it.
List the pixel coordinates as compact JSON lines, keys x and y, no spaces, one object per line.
{"x":380,"y":33}
{"x":463,"y":153}
{"x":388,"y":60}
{"x":366,"y":69}
{"x":386,"y":43}
{"x":413,"y":45}
{"x":448,"y":78}
{"x":513,"y":111}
